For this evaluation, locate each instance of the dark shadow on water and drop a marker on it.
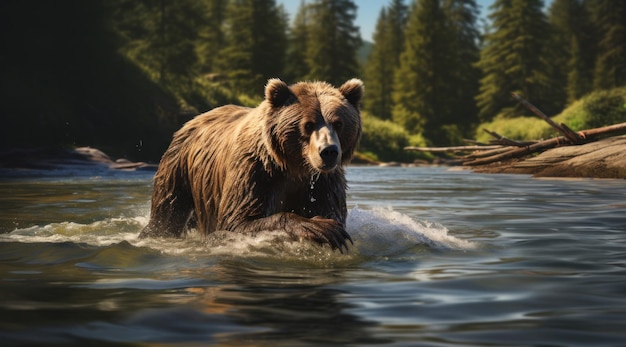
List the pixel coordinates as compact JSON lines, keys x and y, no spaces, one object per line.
{"x":73,"y":294}
{"x":292,"y":305}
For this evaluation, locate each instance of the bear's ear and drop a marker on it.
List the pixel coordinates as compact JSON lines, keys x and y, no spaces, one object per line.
{"x":278,"y":93}
{"x":353,"y":91}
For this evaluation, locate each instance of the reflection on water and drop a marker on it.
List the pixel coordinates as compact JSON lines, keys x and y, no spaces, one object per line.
{"x":440,"y":258}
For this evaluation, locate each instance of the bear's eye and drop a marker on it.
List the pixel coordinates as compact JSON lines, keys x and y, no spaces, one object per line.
{"x":338,"y":125}
{"x":309,"y":127}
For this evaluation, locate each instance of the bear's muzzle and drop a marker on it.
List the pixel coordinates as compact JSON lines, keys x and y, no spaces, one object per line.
{"x":326,"y":149}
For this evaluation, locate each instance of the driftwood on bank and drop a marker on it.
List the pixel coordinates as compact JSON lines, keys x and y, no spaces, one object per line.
{"x":516,"y":152}
{"x":506,"y":141}
{"x":603,"y":158}
{"x":562,"y":128}
{"x":451,"y":149}
{"x":507,"y":149}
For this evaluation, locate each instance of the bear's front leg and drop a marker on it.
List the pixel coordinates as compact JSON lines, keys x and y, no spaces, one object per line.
{"x":318,"y":229}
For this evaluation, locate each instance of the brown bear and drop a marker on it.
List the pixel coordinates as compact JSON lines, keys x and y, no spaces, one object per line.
{"x":278,"y":166}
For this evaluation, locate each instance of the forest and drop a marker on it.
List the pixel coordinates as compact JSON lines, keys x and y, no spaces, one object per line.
{"x":123,"y":75}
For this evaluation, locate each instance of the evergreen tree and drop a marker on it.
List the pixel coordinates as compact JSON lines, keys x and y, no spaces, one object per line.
{"x":396,"y":18}
{"x":419,"y":96}
{"x":211,"y":38}
{"x":513,"y":60}
{"x":255,"y":43}
{"x":610,"y":22}
{"x":296,"y":67}
{"x":161,"y":36}
{"x":571,"y":52}
{"x":384,"y":58}
{"x":379,"y":71}
{"x":435,"y":82}
{"x":236,"y":58}
{"x":333,"y":41}
{"x":464,"y":52}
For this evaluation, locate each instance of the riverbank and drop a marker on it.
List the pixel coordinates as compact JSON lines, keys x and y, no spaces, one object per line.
{"x":57,"y":158}
{"x":605,"y":158}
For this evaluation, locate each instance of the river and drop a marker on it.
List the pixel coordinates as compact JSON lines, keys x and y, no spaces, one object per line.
{"x":440,"y":258}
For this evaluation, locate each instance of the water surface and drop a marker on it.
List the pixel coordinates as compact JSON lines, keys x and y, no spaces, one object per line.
{"x":441,"y":258}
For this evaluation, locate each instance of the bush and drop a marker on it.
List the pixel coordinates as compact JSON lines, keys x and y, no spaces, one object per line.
{"x":595,"y":110}
{"x":384,"y":140}
{"x":605,"y":108}
{"x":574,"y":116}
{"x":518,"y":128}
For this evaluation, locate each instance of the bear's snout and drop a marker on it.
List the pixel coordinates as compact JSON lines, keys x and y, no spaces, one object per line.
{"x":329,"y":155}
{"x":326,"y":150}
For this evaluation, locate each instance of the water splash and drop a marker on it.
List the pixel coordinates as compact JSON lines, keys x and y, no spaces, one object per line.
{"x":376,"y":232}
{"x":385,"y":232}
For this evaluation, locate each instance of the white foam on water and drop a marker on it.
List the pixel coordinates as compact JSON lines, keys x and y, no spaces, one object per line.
{"x":383,"y":231}
{"x":376,"y":232}
{"x":99,"y":233}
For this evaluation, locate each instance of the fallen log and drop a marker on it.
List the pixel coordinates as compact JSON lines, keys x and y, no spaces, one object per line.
{"x":505,"y":141}
{"x":450,"y":149}
{"x":518,"y":152}
{"x":566,"y":131}
{"x":474,"y":142}
{"x":615,"y":129}
{"x":488,"y":153}
{"x":587,"y":135}
{"x":600,"y":159}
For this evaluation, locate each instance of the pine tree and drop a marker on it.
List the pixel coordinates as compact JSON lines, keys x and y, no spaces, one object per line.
{"x":270,"y":30}
{"x":296,"y":67}
{"x":436,"y":78}
{"x":161,"y":36}
{"x":384,"y":58}
{"x":379,"y":71}
{"x":513,"y":60}
{"x":255,"y":43}
{"x":571,"y":52}
{"x":333,"y":41}
{"x":236,"y":59}
{"x":396,"y":18}
{"x":419,"y":96}
{"x":211,"y":38}
{"x":461,"y":16}
{"x":610,"y":21}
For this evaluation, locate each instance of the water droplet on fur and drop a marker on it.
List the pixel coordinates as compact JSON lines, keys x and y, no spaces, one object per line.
{"x":314,"y":178}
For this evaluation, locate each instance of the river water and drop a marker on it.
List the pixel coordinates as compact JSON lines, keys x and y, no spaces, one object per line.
{"x":441,"y":258}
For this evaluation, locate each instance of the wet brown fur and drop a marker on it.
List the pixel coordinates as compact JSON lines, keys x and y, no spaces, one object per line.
{"x":251,"y":169}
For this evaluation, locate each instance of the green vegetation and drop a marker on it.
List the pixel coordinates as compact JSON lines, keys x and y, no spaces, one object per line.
{"x":514,"y":59}
{"x":434,"y":86}
{"x":383,"y":59}
{"x":331,"y":34}
{"x":384,"y":140}
{"x":570,"y":39}
{"x":595,"y":110}
{"x":448,"y":75}
{"x":123,"y":75}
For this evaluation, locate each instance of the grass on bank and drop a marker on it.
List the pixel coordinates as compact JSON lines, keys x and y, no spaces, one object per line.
{"x":384,"y":140}
{"x":595,"y":110}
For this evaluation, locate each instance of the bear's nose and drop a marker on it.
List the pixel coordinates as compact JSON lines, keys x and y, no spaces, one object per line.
{"x":329,"y":154}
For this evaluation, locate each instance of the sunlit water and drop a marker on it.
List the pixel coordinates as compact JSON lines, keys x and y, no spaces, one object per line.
{"x":440,"y":258}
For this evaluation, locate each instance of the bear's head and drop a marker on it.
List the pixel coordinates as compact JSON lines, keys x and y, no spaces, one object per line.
{"x":312,"y":127}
